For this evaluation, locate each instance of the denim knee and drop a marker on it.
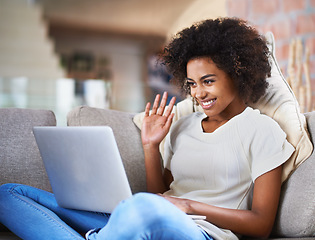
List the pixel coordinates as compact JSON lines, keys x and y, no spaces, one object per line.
{"x":5,"y":197}
{"x":145,"y":203}
{"x":7,"y":188}
{"x":149,"y":209}
{"x":148,"y":216}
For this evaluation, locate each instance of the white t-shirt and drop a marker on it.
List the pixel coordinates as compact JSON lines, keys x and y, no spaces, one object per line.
{"x":219,"y":168}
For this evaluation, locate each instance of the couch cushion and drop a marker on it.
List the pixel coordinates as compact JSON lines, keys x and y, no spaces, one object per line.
{"x":20,"y":161}
{"x":297,"y":204}
{"x":127,"y":136}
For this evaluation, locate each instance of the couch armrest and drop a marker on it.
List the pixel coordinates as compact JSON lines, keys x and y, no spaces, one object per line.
{"x":127,"y":136}
{"x":297,"y":206}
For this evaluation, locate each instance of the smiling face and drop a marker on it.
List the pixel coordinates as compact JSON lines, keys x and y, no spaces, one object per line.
{"x":213,"y":89}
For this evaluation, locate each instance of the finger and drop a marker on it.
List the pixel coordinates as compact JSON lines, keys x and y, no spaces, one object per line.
{"x":169,"y":121}
{"x":162,"y":104}
{"x":147,"y":109}
{"x":155,"y":104}
{"x":170,"y":106}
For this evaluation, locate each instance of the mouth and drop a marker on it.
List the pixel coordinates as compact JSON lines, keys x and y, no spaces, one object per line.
{"x":207,"y":104}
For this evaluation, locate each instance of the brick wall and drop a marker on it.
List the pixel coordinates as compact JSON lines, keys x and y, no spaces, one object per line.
{"x":287,"y":19}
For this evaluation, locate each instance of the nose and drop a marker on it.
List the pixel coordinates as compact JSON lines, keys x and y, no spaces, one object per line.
{"x":199,"y":92}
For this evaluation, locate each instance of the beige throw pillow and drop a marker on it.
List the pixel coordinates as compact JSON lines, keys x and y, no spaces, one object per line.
{"x":280,"y":104}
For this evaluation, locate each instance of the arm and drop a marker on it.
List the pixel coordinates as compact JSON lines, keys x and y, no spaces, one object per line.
{"x":155,"y":126}
{"x":257,"y":222}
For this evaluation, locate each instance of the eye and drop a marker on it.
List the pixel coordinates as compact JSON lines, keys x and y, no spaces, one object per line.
{"x":208,"y":81}
{"x":190,"y":83}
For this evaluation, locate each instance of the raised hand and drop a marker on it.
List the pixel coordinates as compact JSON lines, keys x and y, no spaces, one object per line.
{"x":156,"y":125}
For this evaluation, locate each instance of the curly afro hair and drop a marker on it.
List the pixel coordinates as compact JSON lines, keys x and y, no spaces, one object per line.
{"x":235,"y":47}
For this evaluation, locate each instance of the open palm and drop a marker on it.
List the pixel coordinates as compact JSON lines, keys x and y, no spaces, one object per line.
{"x":156,"y":124}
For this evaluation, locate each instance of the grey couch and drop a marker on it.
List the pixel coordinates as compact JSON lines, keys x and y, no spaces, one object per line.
{"x":20,"y":162}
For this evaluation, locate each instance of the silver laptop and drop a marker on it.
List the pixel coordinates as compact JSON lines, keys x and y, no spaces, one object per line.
{"x":84,"y":167}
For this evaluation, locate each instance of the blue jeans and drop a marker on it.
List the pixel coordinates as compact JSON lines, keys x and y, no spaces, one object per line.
{"x":32,"y":213}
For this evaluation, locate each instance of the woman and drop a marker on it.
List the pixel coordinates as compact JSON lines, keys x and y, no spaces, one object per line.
{"x":223,"y":165}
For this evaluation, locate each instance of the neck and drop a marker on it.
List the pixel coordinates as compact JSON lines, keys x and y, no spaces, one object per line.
{"x":211,"y":123}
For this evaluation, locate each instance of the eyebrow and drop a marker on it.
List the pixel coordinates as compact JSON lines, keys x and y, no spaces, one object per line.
{"x":203,"y":77}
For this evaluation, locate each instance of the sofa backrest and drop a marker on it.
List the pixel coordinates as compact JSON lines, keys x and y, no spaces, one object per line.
{"x":126,"y":134}
{"x":20,"y":161}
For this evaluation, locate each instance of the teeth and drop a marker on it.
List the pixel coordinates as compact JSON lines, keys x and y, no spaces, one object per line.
{"x":208,"y":103}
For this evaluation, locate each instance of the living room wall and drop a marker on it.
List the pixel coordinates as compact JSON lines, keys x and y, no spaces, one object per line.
{"x":288,"y":20}
{"x":124,"y":60}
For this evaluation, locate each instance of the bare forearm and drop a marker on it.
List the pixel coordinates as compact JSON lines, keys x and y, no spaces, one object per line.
{"x":154,"y":171}
{"x":257,"y":222}
{"x":244,"y":222}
